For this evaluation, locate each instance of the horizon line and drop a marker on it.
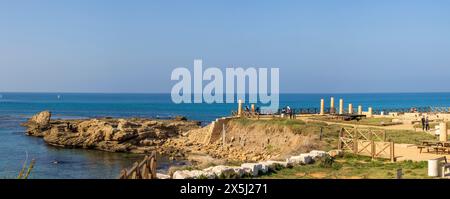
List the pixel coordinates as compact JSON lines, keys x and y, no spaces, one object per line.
{"x":377,"y":92}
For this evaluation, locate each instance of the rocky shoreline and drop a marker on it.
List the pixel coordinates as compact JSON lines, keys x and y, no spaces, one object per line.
{"x":180,"y":139}
{"x":132,"y":135}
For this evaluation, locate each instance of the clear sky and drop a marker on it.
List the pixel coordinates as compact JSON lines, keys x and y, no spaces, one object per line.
{"x":132,"y":46}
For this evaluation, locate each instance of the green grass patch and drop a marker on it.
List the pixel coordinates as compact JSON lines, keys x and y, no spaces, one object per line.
{"x":352,"y":166}
{"x":408,"y":136}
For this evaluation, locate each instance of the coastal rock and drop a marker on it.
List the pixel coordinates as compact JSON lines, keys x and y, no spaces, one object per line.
{"x":42,"y":118}
{"x":38,"y":124}
{"x":107,"y":134}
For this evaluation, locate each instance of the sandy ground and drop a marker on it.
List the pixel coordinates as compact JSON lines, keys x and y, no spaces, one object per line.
{"x":410,"y":152}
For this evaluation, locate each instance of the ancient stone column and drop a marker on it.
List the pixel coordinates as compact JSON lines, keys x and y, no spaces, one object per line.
{"x":322,"y":107}
{"x":253,"y":108}
{"x":359,"y":110}
{"x":332,"y":110}
{"x":443,"y":132}
{"x":239,"y":107}
{"x":369,"y":112}
{"x":350,"y":108}
{"x":341,"y":106}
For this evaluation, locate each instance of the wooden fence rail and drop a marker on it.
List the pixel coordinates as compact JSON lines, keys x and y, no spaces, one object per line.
{"x":146,"y":169}
{"x":366,"y":142}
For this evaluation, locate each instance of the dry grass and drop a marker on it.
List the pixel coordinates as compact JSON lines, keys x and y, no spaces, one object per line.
{"x":330,"y":132}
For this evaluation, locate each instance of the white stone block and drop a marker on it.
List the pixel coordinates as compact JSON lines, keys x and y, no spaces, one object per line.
{"x":182,"y":174}
{"x":336,"y":153}
{"x":194,"y":174}
{"x":264,"y":167}
{"x":219,"y":170}
{"x":274,"y":164}
{"x":162,"y":176}
{"x":240,"y":171}
{"x":317,"y":154}
{"x":247,"y":171}
{"x":254,"y":168}
{"x":300,"y":159}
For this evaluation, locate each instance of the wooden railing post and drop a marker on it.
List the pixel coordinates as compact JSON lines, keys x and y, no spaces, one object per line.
{"x":146,"y":169}
{"x":153,"y":165}
{"x":133,"y":171}
{"x":341,"y":134}
{"x":123,"y":174}
{"x":392,"y":152}
{"x":373,"y":150}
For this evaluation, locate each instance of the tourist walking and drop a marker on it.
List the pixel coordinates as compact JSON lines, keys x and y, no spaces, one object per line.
{"x":423,"y":123}
{"x":427,"y":124}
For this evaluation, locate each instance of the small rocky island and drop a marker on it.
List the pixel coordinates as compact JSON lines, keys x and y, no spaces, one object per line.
{"x":133,"y":135}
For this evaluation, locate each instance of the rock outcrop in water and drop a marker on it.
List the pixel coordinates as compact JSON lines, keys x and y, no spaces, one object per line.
{"x":115,"y":135}
{"x":39,"y":123}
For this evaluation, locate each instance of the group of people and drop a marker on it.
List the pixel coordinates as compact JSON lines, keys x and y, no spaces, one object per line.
{"x":425,"y":124}
{"x":288,"y":111}
{"x":257,"y":110}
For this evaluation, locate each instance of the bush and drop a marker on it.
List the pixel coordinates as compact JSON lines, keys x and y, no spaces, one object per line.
{"x":326,"y":162}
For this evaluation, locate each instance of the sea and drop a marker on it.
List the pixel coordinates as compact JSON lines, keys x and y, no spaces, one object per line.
{"x":60,"y":163}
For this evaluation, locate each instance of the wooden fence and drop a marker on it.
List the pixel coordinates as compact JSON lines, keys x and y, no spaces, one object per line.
{"x":146,"y":169}
{"x":368,"y":142}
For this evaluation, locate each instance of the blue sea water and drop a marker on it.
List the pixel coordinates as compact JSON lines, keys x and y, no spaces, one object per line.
{"x":16,"y":108}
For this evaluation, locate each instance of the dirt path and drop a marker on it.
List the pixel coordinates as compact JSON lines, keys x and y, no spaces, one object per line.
{"x":410,"y":152}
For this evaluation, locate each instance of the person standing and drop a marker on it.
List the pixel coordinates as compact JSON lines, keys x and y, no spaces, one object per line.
{"x":289,"y":112}
{"x":423,"y":123}
{"x":247,"y":109}
{"x":427,"y":124}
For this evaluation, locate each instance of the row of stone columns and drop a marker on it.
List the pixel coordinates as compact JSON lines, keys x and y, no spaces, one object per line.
{"x":239,"y":107}
{"x":341,"y":108}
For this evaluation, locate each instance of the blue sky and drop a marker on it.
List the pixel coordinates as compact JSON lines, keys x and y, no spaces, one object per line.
{"x":132,"y":46}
